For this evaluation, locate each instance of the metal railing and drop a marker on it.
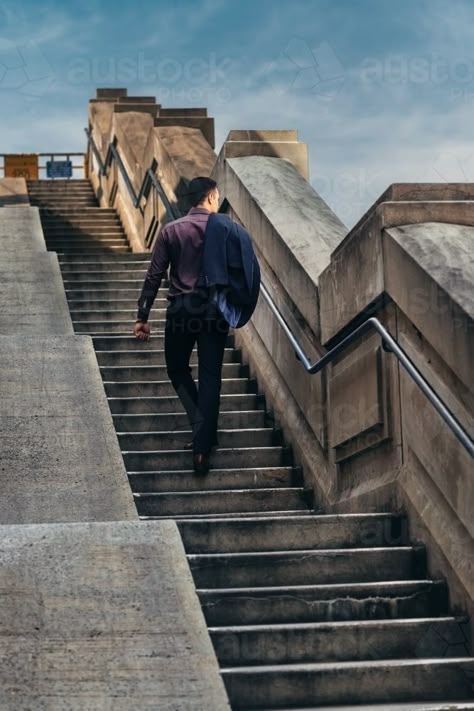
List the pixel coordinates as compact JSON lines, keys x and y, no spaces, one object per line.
{"x":149,"y":179}
{"x":389,"y":343}
{"x":42,"y":166}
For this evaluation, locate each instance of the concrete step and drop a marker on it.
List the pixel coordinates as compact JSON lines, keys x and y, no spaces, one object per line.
{"x":109,"y":311}
{"x":323,"y":531}
{"x":172,"y":460}
{"x":75,"y":292}
{"x":61,"y":204}
{"x":135,"y":406}
{"x":80,"y":251}
{"x":54,"y":224}
{"x":177,"y":439}
{"x":59,"y":182}
{"x":69,"y":262}
{"x":216,"y":480}
{"x":171,"y":421}
{"x":130,"y":343}
{"x":156,"y":357}
{"x":305,"y":566}
{"x":158,"y":315}
{"x":71,"y":194}
{"x":114,"y":305}
{"x":66,"y":229}
{"x":90,"y":285}
{"x":364,"y":682}
{"x":68,"y":269}
{"x":84,"y":212}
{"x":161,"y":388}
{"x":159,"y":372}
{"x":63,"y":194}
{"x":92,"y":274}
{"x":354,"y":640}
{"x":210,"y":502}
{"x":93,"y":234}
{"x":417,"y":706}
{"x":236,"y":514}
{"x":103,"y":327}
{"x":321,"y":603}
{"x":79,"y":214}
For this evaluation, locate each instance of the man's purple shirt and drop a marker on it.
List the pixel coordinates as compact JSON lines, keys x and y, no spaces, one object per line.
{"x":180,"y":246}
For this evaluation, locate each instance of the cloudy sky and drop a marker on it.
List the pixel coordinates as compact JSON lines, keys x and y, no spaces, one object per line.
{"x":381,"y":90}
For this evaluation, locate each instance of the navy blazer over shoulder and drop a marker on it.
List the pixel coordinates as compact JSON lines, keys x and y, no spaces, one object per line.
{"x":229,"y":264}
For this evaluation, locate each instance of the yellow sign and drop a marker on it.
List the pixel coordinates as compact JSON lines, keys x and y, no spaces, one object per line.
{"x":21,"y":165}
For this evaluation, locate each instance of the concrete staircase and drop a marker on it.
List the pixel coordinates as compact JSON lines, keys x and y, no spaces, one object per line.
{"x":305,"y":610}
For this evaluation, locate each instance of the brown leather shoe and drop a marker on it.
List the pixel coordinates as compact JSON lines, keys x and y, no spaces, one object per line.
{"x":201,"y":464}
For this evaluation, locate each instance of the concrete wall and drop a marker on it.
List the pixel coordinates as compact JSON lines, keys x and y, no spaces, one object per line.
{"x":60,"y":458}
{"x":366,"y":436}
{"x":13,"y":192}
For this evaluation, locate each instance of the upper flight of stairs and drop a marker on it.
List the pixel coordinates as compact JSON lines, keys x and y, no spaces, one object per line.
{"x":304,"y":610}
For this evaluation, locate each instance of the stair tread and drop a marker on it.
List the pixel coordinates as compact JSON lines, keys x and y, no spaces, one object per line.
{"x":403,"y":706}
{"x":331,"y":552}
{"x":210,"y":492}
{"x":243,"y":515}
{"x":337,"y":624}
{"x":347,"y":665}
{"x":317,"y":587}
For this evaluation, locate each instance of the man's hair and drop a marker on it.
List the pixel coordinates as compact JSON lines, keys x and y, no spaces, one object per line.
{"x":199,"y":188}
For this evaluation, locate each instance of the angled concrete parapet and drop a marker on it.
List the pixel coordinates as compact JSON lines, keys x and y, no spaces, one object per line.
{"x":270,"y":143}
{"x":366,"y":436}
{"x":13,"y":192}
{"x":31,"y":287}
{"x":103,"y":616}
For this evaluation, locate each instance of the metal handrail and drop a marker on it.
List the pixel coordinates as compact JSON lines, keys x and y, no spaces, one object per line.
{"x":148,"y":179}
{"x":389,"y":344}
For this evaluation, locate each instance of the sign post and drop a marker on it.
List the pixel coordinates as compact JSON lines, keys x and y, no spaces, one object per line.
{"x":59,"y":169}
{"x":21,"y":165}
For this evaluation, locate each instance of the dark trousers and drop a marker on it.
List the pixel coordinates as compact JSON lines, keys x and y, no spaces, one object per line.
{"x":192,"y":319}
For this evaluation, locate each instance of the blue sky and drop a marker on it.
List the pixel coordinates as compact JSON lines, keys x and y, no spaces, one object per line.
{"x":381,"y":91}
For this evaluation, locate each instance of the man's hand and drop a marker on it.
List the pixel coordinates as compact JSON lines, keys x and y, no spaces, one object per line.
{"x":141,"y":330}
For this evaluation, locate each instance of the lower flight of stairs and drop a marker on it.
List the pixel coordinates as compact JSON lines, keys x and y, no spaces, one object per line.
{"x":304,"y":610}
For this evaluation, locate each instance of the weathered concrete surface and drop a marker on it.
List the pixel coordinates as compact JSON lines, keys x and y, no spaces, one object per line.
{"x":403,"y":192}
{"x":20,"y":231}
{"x":354,"y":279}
{"x":13,"y":192}
{"x":429,"y":273}
{"x":182,"y":154}
{"x":446,"y":253}
{"x":293,"y":227}
{"x":102,"y":616}
{"x":32,"y":296}
{"x":60,"y":458}
{"x":204,"y":124}
{"x":291,"y":150}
